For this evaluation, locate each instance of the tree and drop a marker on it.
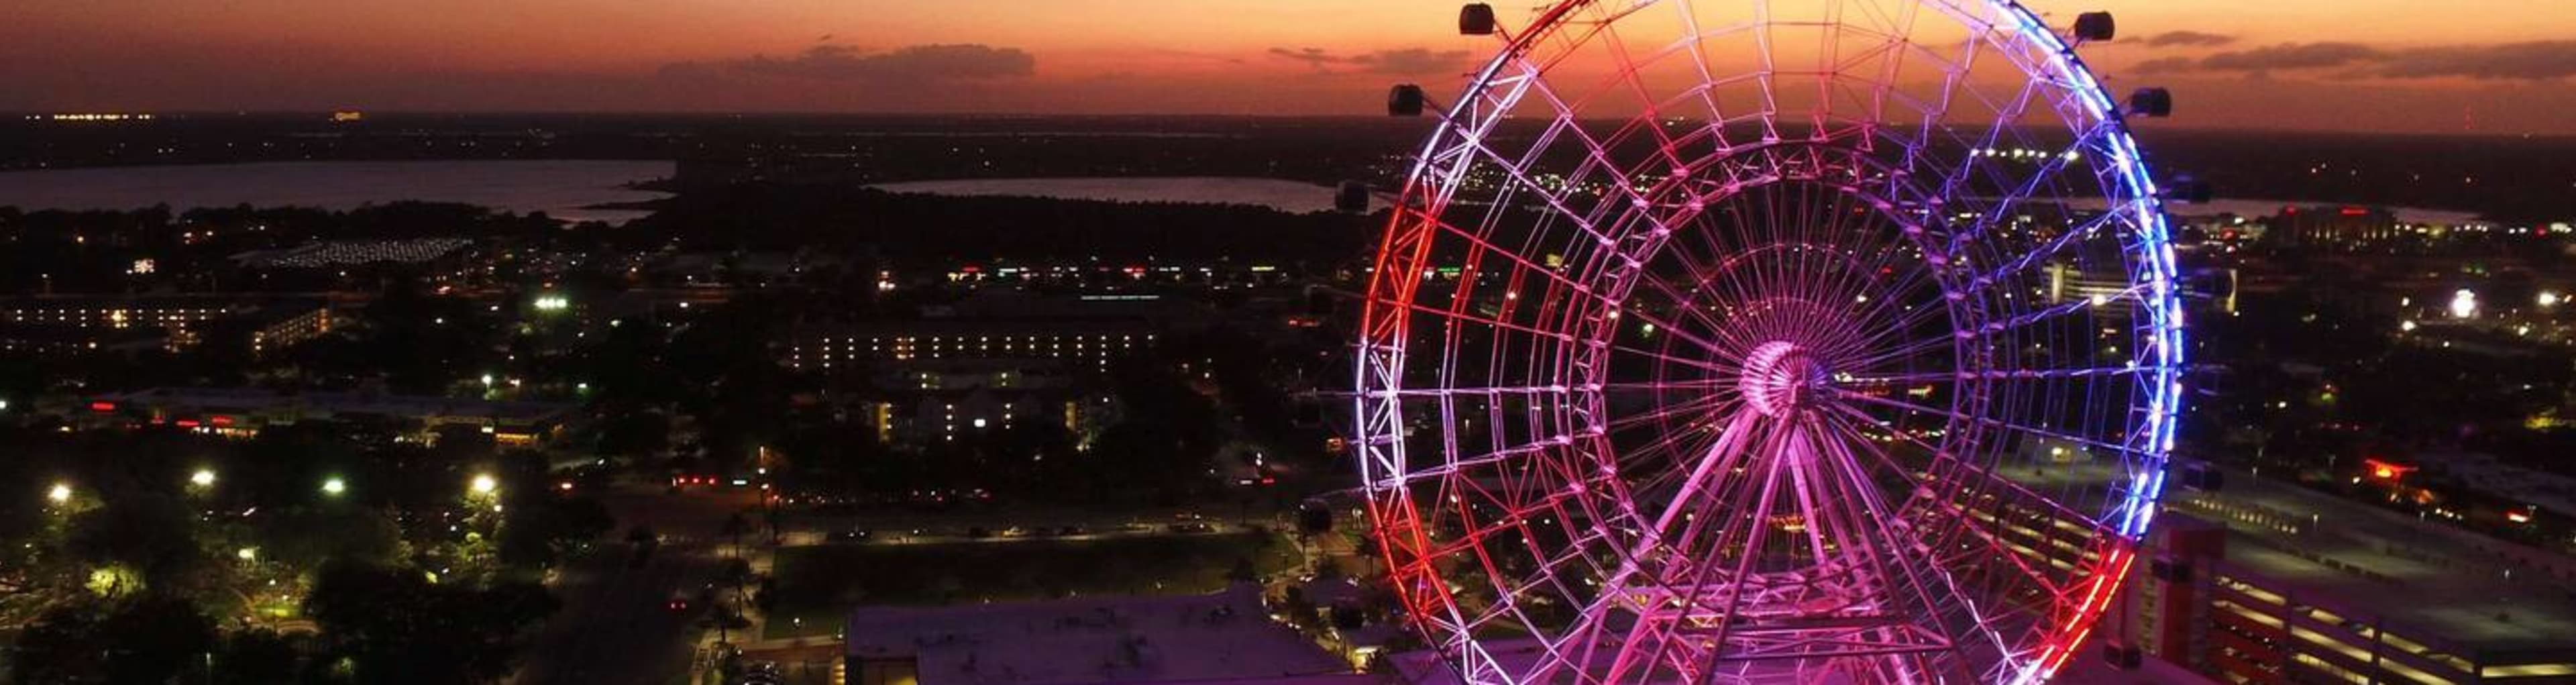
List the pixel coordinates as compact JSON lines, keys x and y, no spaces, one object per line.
{"x":256,"y":657}
{"x":635,"y":433}
{"x":147,"y":639}
{"x":1314,"y":518}
{"x":309,"y":538}
{"x":152,"y":535}
{"x":540,"y":529}
{"x":394,"y":626}
{"x":734,"y":526}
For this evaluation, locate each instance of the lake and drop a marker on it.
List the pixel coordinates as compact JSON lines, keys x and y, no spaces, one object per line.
{"x":1287,"y":196}
{"x":560,"y":188}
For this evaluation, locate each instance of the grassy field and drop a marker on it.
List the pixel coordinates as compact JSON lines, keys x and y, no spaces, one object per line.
{"x":817,"y":585}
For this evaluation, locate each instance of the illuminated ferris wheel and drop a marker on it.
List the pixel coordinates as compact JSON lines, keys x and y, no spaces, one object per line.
{"x":1770,"y":340}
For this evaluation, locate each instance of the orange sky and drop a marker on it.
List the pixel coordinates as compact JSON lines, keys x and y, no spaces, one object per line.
{"x":1088,"y":56}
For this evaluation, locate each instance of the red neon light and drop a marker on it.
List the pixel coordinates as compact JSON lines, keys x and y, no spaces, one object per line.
{"x":185,"y":423}
{"x":222,"y":420}
{"x":2385,"y":470}
{"x":2354,"y":211}
{"x":2053,"y":654}
{"x":102,"y":406}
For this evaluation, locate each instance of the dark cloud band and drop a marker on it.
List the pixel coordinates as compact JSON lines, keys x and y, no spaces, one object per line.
{"x":2537,"y":60}
{"x":1403,"y":61}
{"x":919,"y":63}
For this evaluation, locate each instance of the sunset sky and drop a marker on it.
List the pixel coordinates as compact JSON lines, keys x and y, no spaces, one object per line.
{"x":2490,"y":66}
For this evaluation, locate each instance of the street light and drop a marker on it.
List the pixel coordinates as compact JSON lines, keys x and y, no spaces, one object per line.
{"x":334,"y":486}
{"x":247,"y":554}
{"x":61,"y":493}
{"x":483,"y":485}
{"x":202,"y":478}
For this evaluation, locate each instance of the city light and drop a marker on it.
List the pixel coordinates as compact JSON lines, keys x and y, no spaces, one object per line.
{"x":61,"y":493}
{"x":247,"y":554}
{"x":483,"y":485}
{"x":202,"y":478}
{"x":2464,"y":304}
{"x":2549,"y":299}
{"x":2407,"y":326}
{"x":553,"y":303}
{"x":334,"y":486}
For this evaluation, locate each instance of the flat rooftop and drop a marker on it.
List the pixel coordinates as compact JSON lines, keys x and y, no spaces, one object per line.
{"x":1227,"y":636}
{"x":221,"y":400}
{"x":2428,"y":582}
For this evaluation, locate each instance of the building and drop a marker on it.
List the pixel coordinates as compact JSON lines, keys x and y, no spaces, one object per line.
{"x":171,"y":322}
{"x":347,"y":253}
{"x":924,"y":401}
{"x":2266,"y":583}
{"x":244,"y":411}
{"x":1087,"y":332}
{"x":2336,"y":228}
{"x":1092,"y":344}
{"x":2487,"y":475}
{"x":351,"y":264}
{"x":280,"y":327}
{"x":1227,"y":636}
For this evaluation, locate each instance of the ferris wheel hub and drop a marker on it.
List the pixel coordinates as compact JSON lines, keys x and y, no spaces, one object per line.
{"x":1782,"y":378}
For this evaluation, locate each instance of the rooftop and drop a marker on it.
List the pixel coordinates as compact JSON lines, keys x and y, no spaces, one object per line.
{"x":1226,"y":636}
{"x":352,"y":253}
{"x":2428,"y":582}
{"x":219,"y":400}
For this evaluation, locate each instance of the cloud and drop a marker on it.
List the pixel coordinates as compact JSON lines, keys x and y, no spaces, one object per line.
{"x":2531,"y":61}
{"x":1401,"y":61}
{"x":2165,"y":65}
{"x":2188,"y":39}
{"x":2539,"y":60}
{"x":2292,"y":56}
{"x":1316,"y":57}
{"x":919,"y":63}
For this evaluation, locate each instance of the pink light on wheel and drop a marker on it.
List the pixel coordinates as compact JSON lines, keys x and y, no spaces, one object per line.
{"x":1787,"y":341}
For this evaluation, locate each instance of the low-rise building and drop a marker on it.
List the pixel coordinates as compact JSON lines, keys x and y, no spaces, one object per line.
{"x":2269,"y":583}
{"x":244,"y":411}
{"x":1224,"y":637}
{"x":74,"y":323}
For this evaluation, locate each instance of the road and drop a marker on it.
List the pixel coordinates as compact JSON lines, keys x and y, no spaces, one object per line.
{"x":615,"y":625}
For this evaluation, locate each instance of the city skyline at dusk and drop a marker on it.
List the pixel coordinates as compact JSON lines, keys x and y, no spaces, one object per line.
{"x":1288,"y":342}
{"x":2480,"y":66}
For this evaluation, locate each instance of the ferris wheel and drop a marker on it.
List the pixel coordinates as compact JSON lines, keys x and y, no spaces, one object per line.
{"x":1769,"y":341}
